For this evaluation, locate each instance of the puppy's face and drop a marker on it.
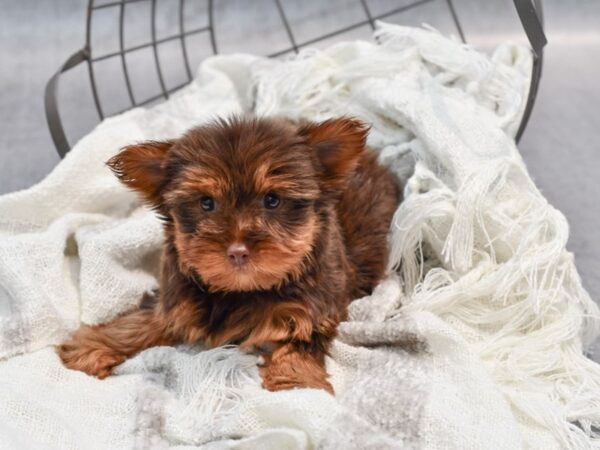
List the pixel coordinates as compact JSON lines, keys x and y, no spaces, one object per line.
{"x":243,"y":195}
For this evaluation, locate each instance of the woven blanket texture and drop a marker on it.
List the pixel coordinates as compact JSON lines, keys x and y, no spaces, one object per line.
{"x":475,"y":339}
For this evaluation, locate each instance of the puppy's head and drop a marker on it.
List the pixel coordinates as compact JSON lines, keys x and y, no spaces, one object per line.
{"x":245,"y":196}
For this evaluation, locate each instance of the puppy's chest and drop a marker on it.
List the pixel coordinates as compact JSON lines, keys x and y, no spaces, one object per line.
{"x":256,"y":319}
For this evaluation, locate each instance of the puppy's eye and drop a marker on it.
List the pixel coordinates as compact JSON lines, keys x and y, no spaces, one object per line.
{"x":207,"y":203}
{"x":271,"y":201}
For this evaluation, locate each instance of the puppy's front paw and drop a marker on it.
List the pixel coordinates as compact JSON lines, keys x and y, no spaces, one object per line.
{"x":83,"y":353}
{"x":274,"y":380}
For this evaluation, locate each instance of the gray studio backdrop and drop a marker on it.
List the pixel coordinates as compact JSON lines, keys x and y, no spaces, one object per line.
{"x":561,"y":145}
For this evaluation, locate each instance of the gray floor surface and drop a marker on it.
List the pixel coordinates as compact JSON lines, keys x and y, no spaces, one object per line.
{"x":561,"y":144}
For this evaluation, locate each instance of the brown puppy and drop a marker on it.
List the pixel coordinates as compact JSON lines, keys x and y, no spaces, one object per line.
{"x":272,"y":228}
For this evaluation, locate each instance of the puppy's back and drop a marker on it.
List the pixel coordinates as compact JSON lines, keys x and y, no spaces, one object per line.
{"x":365,"y":212}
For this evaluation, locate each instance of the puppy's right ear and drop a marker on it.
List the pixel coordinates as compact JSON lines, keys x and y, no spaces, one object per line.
{"x":141,"y":168}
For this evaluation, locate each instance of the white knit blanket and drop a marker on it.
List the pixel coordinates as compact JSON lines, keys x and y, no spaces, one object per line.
{"x":475,"y":342}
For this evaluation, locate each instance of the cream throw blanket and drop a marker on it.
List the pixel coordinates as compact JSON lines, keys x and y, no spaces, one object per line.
{"x":475,"y":342}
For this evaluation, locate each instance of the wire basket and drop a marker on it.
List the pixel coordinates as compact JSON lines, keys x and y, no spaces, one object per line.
{"x":180,"y":33}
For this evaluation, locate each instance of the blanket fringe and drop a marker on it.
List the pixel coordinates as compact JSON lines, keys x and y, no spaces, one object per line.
{"x":507,"y":282}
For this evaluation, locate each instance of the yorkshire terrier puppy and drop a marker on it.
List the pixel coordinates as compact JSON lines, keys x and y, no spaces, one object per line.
{"x":272,"y":227}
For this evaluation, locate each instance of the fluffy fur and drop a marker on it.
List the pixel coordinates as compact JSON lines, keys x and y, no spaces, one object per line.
{"x":309,"y":206}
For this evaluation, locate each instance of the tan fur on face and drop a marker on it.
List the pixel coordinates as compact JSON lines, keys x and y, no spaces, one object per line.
{"x":200,"y":181}
{"x":272,"y":262}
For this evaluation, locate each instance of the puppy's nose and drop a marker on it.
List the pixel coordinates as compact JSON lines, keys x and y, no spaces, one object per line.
{"x":238,"y":254}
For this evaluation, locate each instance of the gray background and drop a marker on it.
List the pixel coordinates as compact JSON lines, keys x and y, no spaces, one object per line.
{"x":561,"y":144}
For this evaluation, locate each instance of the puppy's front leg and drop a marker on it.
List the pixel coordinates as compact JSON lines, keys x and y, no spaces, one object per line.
{"x":295,"y":364}
{"x":97,"y":349}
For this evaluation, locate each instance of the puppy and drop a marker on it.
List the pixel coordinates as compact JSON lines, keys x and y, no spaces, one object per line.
{"x":272,"y":227}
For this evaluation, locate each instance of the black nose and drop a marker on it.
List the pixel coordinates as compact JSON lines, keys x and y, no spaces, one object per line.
{"x":238,"y":254}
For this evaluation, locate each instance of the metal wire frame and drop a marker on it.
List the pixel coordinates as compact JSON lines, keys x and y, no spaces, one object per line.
{"x":529,"y":11}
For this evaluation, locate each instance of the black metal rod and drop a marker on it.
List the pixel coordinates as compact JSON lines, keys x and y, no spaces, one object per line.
{"x":108,"y":5}
{"x":51,"y":105}
{"x":154,"y":97}
{"x":532,"y":16}
{"x":211,"y":25}
{"x":532,"y":19}
{"x":155,"y":51}
{"x":530,"y":13}
{"x":349,"y":28}
{"x":286,"y":25}
{"x":186,"y":62}
{"x":539,"y":10}
{"x":122,"y":53}
{"x":368,"y":13}
{"x":150,"y":44}
{"x":456,"y":21}
{"x":88,"y":46}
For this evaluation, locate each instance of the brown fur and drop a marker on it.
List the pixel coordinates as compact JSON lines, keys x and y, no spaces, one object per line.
{"x":324,"y":244}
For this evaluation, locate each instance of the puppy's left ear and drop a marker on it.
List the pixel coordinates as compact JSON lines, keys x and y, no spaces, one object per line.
{"x":141,"y":168}
{"x":338,"y":143}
